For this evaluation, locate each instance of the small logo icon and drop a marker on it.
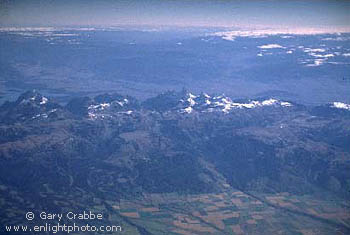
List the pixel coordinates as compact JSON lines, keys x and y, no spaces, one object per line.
{"x":30,"y":216}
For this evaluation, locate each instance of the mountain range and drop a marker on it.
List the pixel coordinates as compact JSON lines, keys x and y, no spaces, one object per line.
{"x":112,"y":147}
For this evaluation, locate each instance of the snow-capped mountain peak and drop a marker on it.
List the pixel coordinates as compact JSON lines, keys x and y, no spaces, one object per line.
{"x":222,"y":103}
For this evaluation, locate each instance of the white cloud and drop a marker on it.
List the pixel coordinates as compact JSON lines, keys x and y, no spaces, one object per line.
{"x":271,"y":46}
{"x":339,"y":39}
{"x":314,"y":50}
{"x":341,"y":105}
{"x":285,"y":33}
{"x":286,"y":36}
{"x":317,"y":62}
{"x":321,"y":56}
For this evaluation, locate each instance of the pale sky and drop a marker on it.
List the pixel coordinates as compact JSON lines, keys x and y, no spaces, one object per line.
{"x":281,"y":14}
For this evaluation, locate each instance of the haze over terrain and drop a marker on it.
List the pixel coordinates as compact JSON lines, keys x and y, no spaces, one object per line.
{"x":176,"y":117}
{"x":143,"y":47}
{"x":331,"y":15}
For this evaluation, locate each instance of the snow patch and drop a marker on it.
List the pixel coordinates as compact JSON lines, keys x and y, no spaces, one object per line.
{"x":286,"y":104}
{"x":191,"y":99}
{"x":206,"y":95}
{"x":99,"y":106}
{"x":44,"y":100}
{"x":269,"y":102}
{"x":127,"y":112}
{"x":192,"y":96}
{"x":188,"y":109}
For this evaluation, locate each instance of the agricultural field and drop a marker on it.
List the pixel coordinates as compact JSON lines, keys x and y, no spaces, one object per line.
{"x":235,"y":212}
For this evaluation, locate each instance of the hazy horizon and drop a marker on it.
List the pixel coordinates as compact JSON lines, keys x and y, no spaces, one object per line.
{"x":325,"y":15}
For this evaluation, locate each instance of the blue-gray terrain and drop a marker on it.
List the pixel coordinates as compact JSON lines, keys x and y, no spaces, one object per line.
{"x":310,"y":69}
{"x":176,"y":131}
